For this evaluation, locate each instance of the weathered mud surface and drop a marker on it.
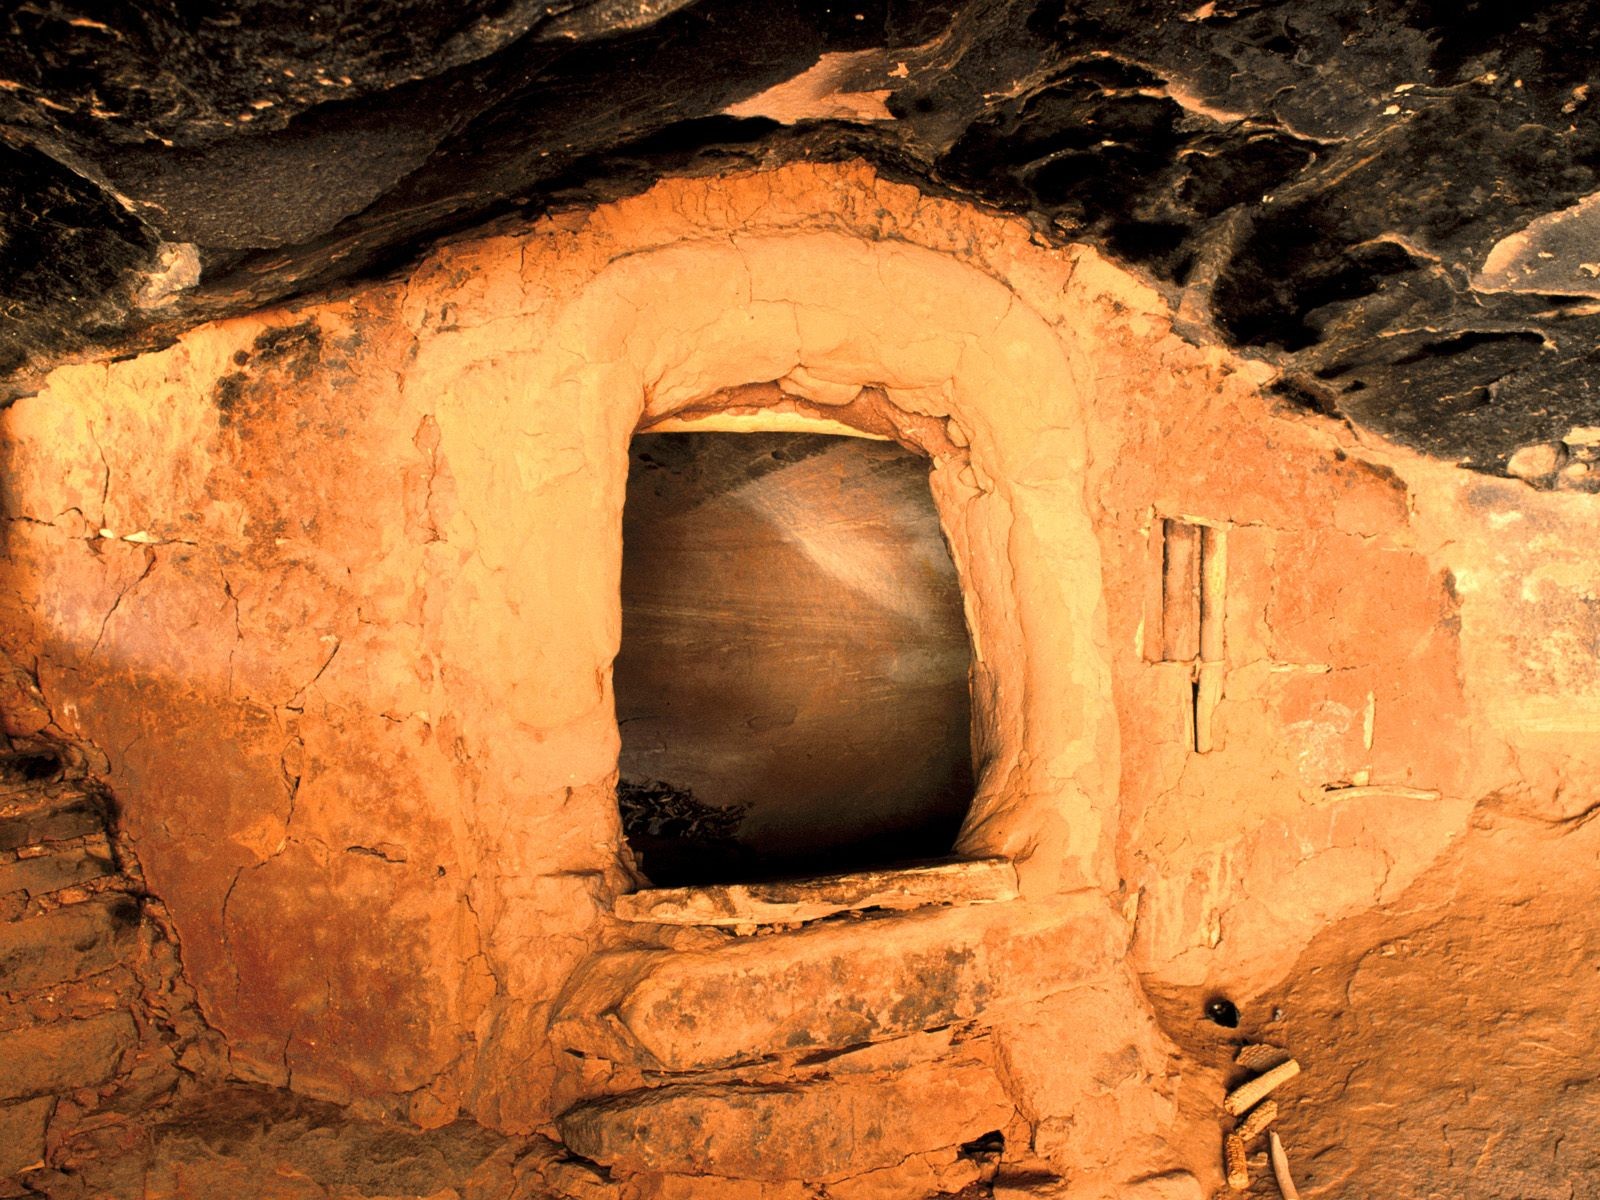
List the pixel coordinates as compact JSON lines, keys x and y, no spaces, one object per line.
{"x":1447,"y":1039}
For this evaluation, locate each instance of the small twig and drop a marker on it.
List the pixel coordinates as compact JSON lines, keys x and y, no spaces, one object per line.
{"x":1280,"y":1167}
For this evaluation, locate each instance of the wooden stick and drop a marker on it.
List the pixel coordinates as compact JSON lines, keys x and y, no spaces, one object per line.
{"x":1368,"y":791}
{"x":1244,"y":1096}
{"x":1180,"y":591}
{"x":1213,"y":591}
{"x":1207,"y":695}
{"x":1280,"y":1167}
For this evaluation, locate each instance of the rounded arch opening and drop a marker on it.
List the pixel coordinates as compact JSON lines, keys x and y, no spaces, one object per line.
{"x":904,"y":342}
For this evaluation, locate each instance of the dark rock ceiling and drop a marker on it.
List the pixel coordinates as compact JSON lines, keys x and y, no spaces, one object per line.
{"x":1317,"y":182}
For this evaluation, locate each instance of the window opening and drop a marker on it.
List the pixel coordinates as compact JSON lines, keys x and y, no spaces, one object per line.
{"x":792,"y":684}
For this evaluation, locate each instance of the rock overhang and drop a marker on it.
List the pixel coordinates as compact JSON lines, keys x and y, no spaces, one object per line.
{"x":1320,"y":188}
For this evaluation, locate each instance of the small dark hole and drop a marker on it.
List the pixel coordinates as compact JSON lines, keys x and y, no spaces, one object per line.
{"x":1222,"y":1011}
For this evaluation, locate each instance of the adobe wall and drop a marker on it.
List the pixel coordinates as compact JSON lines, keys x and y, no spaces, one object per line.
{"x":330,"y":594}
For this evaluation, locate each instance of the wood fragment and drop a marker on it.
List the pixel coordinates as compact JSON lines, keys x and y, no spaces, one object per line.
{"x":1259,"y":1056}
{"x":1245,"y":1096}
{"x":1180,"y":591}
{"x":1280,"y":1168}
{"x":1256,"y":1121}
{"x":1370,"y":791}
{"x":1233,"y":1156}
{"x":1207,"y":695}
{"x":1213,"y":591}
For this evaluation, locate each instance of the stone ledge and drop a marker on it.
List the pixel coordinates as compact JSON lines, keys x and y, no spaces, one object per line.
{"x":734,"y":905}
{"x":832,"y":986}
{"x":817,"y":1132}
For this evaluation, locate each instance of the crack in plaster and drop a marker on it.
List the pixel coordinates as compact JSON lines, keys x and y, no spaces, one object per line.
{"x":150,"y":565}
{"x":238,"y":630}
{"x":290,"y":705}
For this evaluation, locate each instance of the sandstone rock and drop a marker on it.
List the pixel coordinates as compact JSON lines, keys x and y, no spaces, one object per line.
{"x":22,"y":1128}
{"x":52,"y":872}
{"x":1170,"y":1185}
{"x":1078,"y":1099}
{"x":1033,"y":1186}
{"x":63,"y":1055}
{"x":77,"y":817}
{"x":813,"y":1132}
{"x":255,"y":1143}
{"x":1535,"y":462}
{"x":67,"y":943}
{"x":942,"y":1173}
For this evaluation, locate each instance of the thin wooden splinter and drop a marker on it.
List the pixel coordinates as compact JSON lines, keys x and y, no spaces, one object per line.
{"x":1280,"y":1168}
{"x":1244,"y":1097}
{"x":1233,"y":1157}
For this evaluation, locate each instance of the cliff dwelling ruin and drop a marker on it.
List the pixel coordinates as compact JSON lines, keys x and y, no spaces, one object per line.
{"x":697,"y":601}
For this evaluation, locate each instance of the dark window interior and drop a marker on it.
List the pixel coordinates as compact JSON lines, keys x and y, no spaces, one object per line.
{"x":792,"y":685}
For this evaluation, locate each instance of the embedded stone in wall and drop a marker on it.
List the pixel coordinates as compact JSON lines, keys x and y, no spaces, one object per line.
{"x":815,"y":1132}
{"x":25,"y":878}
{"x":80,"y":816}
{"x":64,"y":1054}
{"x":93,"y":1005}
{"x":68,"y":943}
{"x":22,"y":1129}
{"x":247,"y":1141}
{"x":830,"y":986}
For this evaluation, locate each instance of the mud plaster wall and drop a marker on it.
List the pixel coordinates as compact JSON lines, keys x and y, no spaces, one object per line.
{"x":331,"y":592}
